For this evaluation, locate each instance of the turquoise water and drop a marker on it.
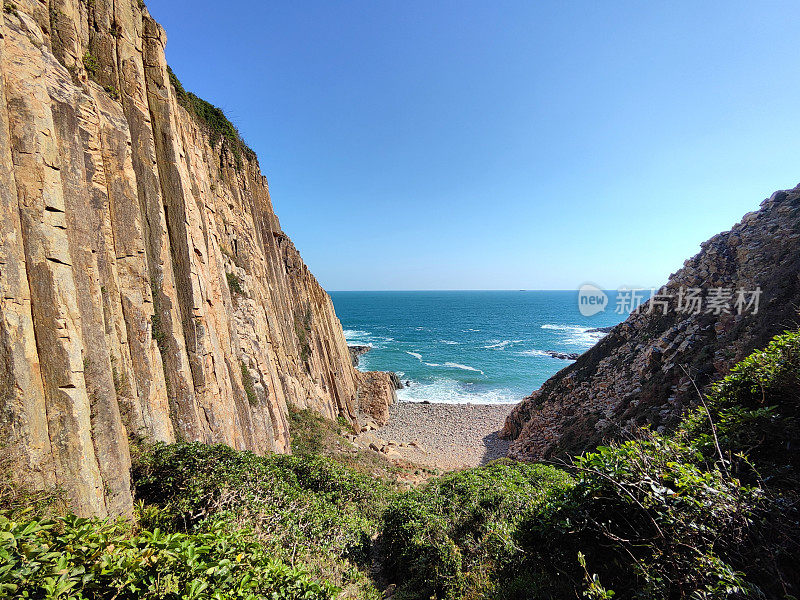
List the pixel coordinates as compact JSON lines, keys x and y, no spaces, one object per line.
{"x":485,"y":346}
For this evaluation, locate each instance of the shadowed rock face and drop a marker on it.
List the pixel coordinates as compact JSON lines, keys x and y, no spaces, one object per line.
{"x":642,"y":372}
{"x":146,"y":287}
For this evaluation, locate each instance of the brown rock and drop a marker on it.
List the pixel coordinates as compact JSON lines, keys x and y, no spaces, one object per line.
{"x":123,"y":224}
{"x":635,"y":375}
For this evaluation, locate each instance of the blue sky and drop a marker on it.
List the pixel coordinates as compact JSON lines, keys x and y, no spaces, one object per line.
{"x":497,"y":144}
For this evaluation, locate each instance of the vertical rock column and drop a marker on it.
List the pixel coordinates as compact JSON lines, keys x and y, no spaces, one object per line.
{"x":54,"y":303}
{"x":23,"y":419}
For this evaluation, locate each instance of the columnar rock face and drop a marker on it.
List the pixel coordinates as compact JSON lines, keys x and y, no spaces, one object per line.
{"x":645,"y":370}
{"x":146,"y":287}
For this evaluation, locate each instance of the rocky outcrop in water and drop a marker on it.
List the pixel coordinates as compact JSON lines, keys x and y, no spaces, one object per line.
{"x":645,"y":370}
{"x":147,"y":289}
{"x":356,"y":352}
{"x":562,"y":355}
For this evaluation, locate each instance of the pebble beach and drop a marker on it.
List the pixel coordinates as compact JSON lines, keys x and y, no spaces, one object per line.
{"x":447,"y":436}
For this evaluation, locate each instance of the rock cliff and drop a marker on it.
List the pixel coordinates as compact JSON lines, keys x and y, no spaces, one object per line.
{"x":147,"y":290}
{"x":645,"y":370}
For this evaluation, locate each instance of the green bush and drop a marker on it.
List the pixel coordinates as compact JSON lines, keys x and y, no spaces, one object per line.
{"x":302,"y":329}
{"x":91,"y":64}
{"x":662,"y":517}
{"x":234,"y":284}
{"x":456,"y":537}
{"x":651,"y":521}
{"x":309,"y":509}
{"x":75,"y":558}
{"x":755,"y":412}
{"x":249,"y":386}
{"x":216,"y":123}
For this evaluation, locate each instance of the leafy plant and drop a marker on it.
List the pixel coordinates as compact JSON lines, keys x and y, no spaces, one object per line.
{"x":234,"y":284}
{"x":756,"y":415}
{"x":90,"y":63}
{"x":302,"y":329}
{"x":70,"y":557}
{"x":457,"y":536}
{"x":307,"y":508}
{"x":219,"y":128}
{"x":247,"y":382}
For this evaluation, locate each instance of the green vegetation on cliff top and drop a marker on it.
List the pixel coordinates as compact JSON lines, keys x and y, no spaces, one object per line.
{"x":213,"y":118}
{"x":707,"y":512}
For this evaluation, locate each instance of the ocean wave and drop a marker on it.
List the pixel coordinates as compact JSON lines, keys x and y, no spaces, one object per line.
{"x":416,"y":355}
{"x":355,"y":333}
{"x":535,"y":353}
{"x":576,"y":335}
{"x":501,"y":344}
{"x":565,"y":327}
{"x":453,"y":365}
{"x":448,"y":342}
{"x":449,"y":391}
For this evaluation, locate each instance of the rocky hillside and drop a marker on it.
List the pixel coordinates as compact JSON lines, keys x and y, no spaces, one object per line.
{"x":645,"y":370}
{"x":146,"y":287}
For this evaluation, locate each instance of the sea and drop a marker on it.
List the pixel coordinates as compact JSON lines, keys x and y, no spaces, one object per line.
{"x":469,"y":346}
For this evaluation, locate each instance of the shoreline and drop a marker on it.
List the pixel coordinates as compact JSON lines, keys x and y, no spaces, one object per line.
{"x":442,"y":435}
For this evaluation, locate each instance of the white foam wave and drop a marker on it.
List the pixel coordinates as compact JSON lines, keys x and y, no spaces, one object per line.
{"x":448,"y":342}
{"x":501,"y":344}
{"x":453,"y":365}
{"x":535,"y":353}
{"x":575,"y":335}
{"x":449,"y":391}
{"x":355,"y":333}
{"x":416,"y":355}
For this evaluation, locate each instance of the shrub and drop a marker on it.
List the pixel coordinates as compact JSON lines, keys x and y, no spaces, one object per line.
{"x":456,"y":537}
{"x":307,"y":509}
{"x":247,"y":382}
{"x":234,"y":284}
{"x":72,"y":557}
{"x":217,"y":125}
{"x":756,"y":414}
{"x":302,"y":329}
{"x":651,"y":520}
{"x":90,"y":63}
{"x":112,"y":92}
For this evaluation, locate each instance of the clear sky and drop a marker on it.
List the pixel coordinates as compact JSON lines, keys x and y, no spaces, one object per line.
{"x":501,"y":145}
